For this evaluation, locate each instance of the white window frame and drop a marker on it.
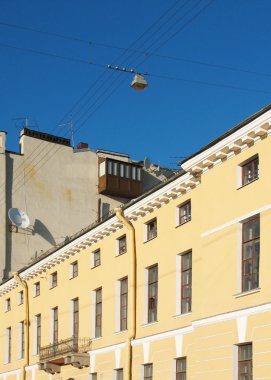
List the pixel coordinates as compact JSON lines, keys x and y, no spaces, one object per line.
{"x":8,"y":349}
{"x":20,"y":339}
{"x":71,"y":270}
{"x":51,"y":280}
{"x":7,"y":305}
{"x":20,"y":297}
{"x":35,"y":289}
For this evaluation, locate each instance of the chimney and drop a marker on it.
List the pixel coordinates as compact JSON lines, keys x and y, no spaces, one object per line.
{"x":2,"y":141}
{"x":82,"y":145}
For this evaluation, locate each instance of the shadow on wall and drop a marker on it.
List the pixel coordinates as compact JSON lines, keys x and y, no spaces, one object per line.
{"x":40,"y":229}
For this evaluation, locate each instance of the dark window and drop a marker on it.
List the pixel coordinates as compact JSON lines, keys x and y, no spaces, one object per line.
{"x":181,"y":369}
{"x":54,"y":280}
{"x":138,"y":174}
{"x":122,"y":245}
{"x":148,"y":372}
{"x":251,"y":254}
{"x":98,"y":313}
{"x":20,"y":297}
{"x":250,"y":171}
{"x":55,"y":325}
{"x":119,"y":374}
{"x":109,"y":167}
{"x":115,"y":168}
{"x":9,"y":344}
{"x":185,"y":212}
{"x":38,"y":326}
{"x":22,"y":340}
{"x":151,"y":229}
{"x":93,"y":376}
{"x":76,"y":318}
{"x":96,"y":258}
{"x":8,"y":304}
{"x":123,"y":303}
{"x":74,"y":268}
{"x":133,"y":172}
{"x":245,"y":361}
{"x":37,"y":289}
{"x":186,"y":286}
{"x":121,"y":169}
{"x":152,"y":293}
{"x":127,"y":171}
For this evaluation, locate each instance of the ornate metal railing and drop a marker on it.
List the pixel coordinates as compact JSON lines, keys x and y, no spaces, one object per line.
{"x":63,"y":347}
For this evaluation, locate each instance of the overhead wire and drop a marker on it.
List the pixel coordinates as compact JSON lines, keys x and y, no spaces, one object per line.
{"x":86,"y":93}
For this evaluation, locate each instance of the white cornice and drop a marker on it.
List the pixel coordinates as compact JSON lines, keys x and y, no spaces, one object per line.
{"x":235,"y":142}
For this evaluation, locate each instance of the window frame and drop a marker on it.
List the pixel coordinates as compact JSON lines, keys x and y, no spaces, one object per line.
{"x":36,"y":289}
{"x":121,"y":250}
{"x":7,"y":305}
{"x":253,"y":277}
{"x":251,"y":161}
{"x":151,"y":232}
{"x":119,"y":375}
{"x":20,"y":297}
{"x":187,"y":207}
{"x":147,"y":367}
{"x":8,"y":344}
{"x":53,"y":280}
{"x":22,"y":340}
{"x":38,"y":333}
{"x":74,"y":269}
{"x":75,"y":319}
{"x":152,"y":300}
{"x":98,"y":312}
{"x":181,"y":374}
{"x":241,"y":361}
{"x":55,"y":325}
{"x":184,"y":285}
{"x":124,"y":303}
{"x":94,"y":261}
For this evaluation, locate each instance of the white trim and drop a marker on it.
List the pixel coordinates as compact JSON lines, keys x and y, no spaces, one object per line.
{"x":178,"y":283}
{"x":10,"y":373}
{"x":146,"y":352}
{"x":117,"y":306}
{"x":93,"y":312}
{"x":163,"y":335}
{"x":103,"y":350}
{"x":35,"y":337}
{"x":20,"y":341}
{"x":235,"y":362}
{"x":242,"y":328}
{"x":179,"y":345}
{"x":237,"y":220}
{"x":145,"y":290}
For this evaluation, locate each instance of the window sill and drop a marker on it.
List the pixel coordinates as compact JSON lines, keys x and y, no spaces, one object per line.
{"x":182,"y":315}
{"x":121,"y":332}
{"x":246,"y":184}
{"x":238,"y":295}
{"x":96,"y":266}
{"x":96,"y":338}
{"x":180,"y":225}
{"x":149,"y":324}
{"x":146,"y":241}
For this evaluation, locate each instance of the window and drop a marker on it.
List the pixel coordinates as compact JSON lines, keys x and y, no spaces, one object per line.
{"x":7,"y":305}
{"x":98,"y":313}
{"x":250,"y":171}
{"x":93,"y":376}
{"x":119,"y":374}
{"x":186,"y":282}
{"x":122,"y":245}
{"x":96,"y":258}
{"x":121,"y":167}
{"x":53,"y":280}
{"x":185,"y":212}
{"x":21,"y":340}
{"x":245,"y":361}
{"x":55,"y":325}
{"x":36,"y":289}
{"x":20,"y":297}
{"x":123,"y":303}
{"x":151,"y":229}
{"x":127,"y":171}
{"x":181,"y":369}
{"x":115,"y":168}
{"x":8,"y":345}
{"x":75,"y":328}
{"x":152,"y":293}
{"x":133,"y":172}
{"x":109,"y":167}
{"x":148,"y":372}
{"x":74,"y":269}
{"x":250,"y":254}
{"x":38,"y":333}
{"x":138,"y":174}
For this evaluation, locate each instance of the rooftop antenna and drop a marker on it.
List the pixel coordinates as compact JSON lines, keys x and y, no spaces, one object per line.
{"x":139,"y":83}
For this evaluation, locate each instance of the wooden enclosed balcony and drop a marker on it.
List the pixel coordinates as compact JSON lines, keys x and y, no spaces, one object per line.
{"x":120,"y":178}
{"x":68,"y":351}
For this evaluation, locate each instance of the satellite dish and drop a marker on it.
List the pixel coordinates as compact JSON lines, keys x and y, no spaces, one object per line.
{"x":147,"y":163}
{"x":18,"y":217}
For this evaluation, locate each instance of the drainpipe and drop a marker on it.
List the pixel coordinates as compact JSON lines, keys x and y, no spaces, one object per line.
{"x":132,"y":286}
{"x":26,"y":320}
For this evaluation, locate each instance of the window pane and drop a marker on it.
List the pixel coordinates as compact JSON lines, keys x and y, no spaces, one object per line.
{"x":127,"y":171}
{"x":121,"y":166}
{"x":115,"y":168}
{"x":109,"y":167}
{"x":138,"y":174}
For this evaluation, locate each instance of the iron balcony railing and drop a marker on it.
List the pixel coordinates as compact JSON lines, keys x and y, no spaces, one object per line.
{"x":64,"y":347}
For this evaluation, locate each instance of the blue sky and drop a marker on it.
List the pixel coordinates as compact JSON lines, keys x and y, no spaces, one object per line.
{"x":215,"y":71}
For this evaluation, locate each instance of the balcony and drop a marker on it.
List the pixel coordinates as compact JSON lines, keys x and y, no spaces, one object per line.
{"x":119,"y":178}
{"x":68,"y":351}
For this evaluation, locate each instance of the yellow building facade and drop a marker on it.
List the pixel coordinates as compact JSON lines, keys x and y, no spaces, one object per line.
{"x":176,"y":285}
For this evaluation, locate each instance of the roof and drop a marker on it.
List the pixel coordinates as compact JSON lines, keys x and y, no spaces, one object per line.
{"x":228,"y":133}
